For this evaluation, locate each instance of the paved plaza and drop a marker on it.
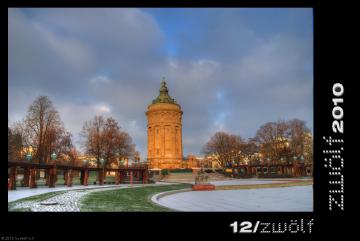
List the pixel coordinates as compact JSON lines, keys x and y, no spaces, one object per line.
{"x":253,"y":181}
{"x":287,"y":199}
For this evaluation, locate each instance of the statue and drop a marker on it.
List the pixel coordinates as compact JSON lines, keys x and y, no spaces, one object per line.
{"x":202,"y":177}
{"x":202,"y":182}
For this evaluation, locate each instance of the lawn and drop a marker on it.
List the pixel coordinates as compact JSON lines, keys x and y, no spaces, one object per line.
{"x":130,"y":199}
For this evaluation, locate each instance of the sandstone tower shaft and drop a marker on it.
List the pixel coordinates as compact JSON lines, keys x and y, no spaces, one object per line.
{"x":164,"y":128}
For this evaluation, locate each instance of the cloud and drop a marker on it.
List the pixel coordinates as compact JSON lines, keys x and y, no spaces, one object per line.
{"x":101,"y":109}
{"x":100,"y":80}
{"x":226,"y":74}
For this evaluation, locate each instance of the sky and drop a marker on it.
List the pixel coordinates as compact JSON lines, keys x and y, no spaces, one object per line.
{"x":230,"y":69}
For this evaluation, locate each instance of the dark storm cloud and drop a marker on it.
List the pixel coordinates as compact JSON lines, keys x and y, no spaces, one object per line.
{"x":226,"y":75}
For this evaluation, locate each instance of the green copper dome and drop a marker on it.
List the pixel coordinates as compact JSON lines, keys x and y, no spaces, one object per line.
{"x":164,"y":96}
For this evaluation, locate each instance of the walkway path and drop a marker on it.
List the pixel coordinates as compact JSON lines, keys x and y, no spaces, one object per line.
{"x":66,"y":202}
{"x":23,"y":192}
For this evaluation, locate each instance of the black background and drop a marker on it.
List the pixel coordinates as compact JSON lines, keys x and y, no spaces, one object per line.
{"x":334,"y":28}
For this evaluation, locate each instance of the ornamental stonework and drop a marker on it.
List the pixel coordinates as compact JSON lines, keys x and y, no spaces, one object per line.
{"x":164,"y":129}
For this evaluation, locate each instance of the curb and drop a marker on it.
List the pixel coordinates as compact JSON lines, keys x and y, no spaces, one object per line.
{"x":157,"y":196}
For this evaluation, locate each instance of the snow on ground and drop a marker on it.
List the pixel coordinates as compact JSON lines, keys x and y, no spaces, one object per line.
{"x":245,"y":182}
{"x":287,"y":199}
{"x":23,"y":192}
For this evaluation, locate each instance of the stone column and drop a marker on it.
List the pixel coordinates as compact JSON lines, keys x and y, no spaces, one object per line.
{"x":82,"y":177}
{"x":12,"y":181}
{"x":101,"y":177}
{"x":117,"y":177}
{"x":65,"y":177}
{"x":25,"y":182}
{"x":145,"y":176}
{"x":47,"y":176}
{"x":85,"y":177}
{"x":52,"y":176}
{"x":32,"y":179}
{"x":131,"y":177}
{"x":69,"y":178}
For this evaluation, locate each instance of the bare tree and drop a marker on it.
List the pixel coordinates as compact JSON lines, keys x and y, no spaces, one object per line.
{"x":225,"y":147}
{"x":282,"y":139}
{"x":43,"y":127}
{"x":65,"y":147}
{"x":104,"y":140}
{"x":73,"y":156}
{"x":92,"y":134}
{"x":250,"y":149}
{"x":111,"y":133}
{"x":298,"y":132}
{"x":125,"y":146}
{"x":14,"y":145}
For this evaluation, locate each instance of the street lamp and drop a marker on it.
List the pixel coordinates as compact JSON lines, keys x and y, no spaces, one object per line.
{"x":85,"y":162}
{"x":53,"y":156}
{"x":28,"y":156}
{"x":102,"y":161}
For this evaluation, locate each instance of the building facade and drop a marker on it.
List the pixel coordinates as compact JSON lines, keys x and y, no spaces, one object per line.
{"x":164,"y":129}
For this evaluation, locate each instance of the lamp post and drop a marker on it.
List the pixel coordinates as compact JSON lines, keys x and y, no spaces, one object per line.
{"x":53,"y":156}
{"x":29,"y":179}
{"x":85,"y":162}
{"x":101,"y":179}
{"x":28,"y":156}
{"x":302,"y":158}
{"x":53,"y":173}
{"x":294,"y":158}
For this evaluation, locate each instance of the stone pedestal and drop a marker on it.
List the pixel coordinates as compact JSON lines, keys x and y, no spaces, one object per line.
{"x":201,"y":182}
{"x":203,"y":187}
